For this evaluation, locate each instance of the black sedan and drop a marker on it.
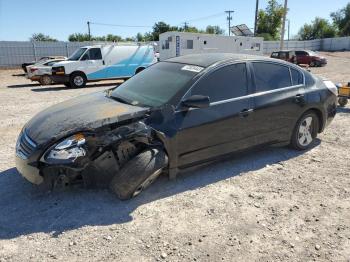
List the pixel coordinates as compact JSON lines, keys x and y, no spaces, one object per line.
{"x":175,"y":114}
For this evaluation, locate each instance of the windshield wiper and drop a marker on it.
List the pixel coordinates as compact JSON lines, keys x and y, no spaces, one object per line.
{"x":119,"y":99}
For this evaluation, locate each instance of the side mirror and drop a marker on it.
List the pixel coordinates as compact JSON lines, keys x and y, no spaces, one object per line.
{"x":196,"y":101}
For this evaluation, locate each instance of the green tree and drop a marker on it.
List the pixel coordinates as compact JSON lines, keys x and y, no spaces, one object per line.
{"x":341,"y":20}
{"x":42,"y":37}
{"x":317,"y":29}
{"x":114,"y":38}
{"x":140,"y":37}
{"x":215,"y":30}
{"x":78,"y":37}
{"x":270,"y":21}
{"x":99,"y":38}
{"x":160,"y":28}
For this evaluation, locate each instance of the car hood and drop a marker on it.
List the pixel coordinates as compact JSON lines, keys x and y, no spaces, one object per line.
{"x":82,"y":113}
{"x":63,"y":63}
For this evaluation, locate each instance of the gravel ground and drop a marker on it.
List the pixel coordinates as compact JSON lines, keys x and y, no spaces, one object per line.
{"x":270,"y":205}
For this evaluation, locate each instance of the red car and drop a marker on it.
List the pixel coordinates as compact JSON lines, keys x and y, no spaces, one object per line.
{"x":310,"y":58}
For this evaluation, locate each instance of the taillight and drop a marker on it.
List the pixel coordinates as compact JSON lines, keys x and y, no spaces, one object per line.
{"x":33,"y":69}
{"x":331,"y":87}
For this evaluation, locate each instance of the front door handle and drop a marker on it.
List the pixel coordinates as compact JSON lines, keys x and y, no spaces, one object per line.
{"x":245,"y":112}
{"x":299,"y":99}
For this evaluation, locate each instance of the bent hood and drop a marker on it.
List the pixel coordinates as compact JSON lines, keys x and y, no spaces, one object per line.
{"x":78,"y":114}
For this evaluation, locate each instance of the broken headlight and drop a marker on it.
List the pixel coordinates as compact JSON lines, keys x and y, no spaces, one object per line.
{"x":69,"y":149}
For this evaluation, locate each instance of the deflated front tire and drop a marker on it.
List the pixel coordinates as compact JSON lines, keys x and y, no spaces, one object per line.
{"x":139,"y":173}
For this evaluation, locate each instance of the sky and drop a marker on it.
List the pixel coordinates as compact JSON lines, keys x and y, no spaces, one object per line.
{"x":19,"y":19}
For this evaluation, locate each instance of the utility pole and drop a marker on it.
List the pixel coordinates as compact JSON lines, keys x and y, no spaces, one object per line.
{"x":284,"y":24}
{"x":186,"y":26}
{"x":288,"y":28}
{"x":256,"y":17}
{"x":229,"y":18}
{"x":89,"y":32}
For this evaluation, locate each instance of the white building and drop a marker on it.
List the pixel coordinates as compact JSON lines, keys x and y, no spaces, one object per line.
{"x":182,"y":43}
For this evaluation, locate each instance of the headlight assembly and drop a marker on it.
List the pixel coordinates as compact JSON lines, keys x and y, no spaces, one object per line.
{"x":69,"y":149}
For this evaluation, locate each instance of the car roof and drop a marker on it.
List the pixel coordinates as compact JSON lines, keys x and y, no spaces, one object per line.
{"x":206,"y":60}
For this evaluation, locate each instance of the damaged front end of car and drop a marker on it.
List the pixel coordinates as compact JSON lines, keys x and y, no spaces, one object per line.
{"x":94,"y":158}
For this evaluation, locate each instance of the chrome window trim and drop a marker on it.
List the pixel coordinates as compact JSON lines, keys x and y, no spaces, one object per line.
{"x":246,"y":62}
{"x":246,"y":97}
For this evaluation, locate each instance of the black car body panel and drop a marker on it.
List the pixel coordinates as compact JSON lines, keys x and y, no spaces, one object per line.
{"x":116,"y":131}
{"x":87,"y":112}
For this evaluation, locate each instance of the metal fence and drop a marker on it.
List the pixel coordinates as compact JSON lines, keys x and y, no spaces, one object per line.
{"x":327,"y":44}
{"x":13,"y":53}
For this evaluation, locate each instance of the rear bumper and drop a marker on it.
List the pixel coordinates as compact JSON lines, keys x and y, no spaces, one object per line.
{"x":60,"y":79}
{"x":34,"y":78}
{"x":29,"y":172}
{"x":331,"y":110}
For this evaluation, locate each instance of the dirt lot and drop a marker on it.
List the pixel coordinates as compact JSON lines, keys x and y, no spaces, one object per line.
{"x":271,"y":205}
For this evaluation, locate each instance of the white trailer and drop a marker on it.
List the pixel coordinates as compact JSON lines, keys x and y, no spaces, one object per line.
{"x":174,"y":44}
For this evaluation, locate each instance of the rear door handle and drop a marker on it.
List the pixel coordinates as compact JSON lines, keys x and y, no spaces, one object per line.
{"x":246,"y":112}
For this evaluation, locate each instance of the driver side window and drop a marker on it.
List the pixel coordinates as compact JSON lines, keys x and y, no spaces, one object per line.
{"x":224,"y":83}
{"x":92,"y":54}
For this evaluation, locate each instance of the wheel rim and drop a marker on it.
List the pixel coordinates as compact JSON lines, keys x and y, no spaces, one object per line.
{"x":147,"y":182}
{"x":305,"y":131}
{"x":78,"y":80}
{"x":46,"y":80}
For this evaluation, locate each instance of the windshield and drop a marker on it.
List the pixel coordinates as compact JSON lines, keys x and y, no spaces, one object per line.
{"x":312,"y":53}
{"x":156,"y":85}
{"x":77,"y":54}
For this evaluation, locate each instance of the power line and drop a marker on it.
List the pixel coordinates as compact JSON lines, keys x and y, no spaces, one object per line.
{"x":150,"y":26}
{"x":206,"y":17}
{"x":103,"y":24}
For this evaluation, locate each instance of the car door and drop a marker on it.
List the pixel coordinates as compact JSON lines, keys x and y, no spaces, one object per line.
{"x":278,"y":100}
{"x":222,"y":127}
{"x":93,"y":65}
{"x":302,"y":57}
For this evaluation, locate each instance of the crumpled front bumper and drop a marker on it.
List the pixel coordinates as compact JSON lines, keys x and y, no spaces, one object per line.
{"x":60,"y":79}
{"x":29,"y":172}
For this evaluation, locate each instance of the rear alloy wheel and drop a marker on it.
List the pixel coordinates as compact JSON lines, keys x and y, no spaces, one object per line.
{"x":139,"y":173}
{"x":77,"y":80}
{"x":342,"y":101}
{"x":45,"y":80}
{"x":305,"y":131}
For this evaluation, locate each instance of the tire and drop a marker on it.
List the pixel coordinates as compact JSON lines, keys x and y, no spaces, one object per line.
{"x":139,"y":173}
{"x":343,"y":101}
{"x":45,"y":80}
{"x":312,"y":64}
{"x":77,"y":80}
{"x":305,"y":131}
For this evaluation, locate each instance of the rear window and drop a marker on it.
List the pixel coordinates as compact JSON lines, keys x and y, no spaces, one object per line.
{"x":297,"y":77}
{"x":270,"y":76}
{"x":274,"y":55}
{"x":309,"y":80}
